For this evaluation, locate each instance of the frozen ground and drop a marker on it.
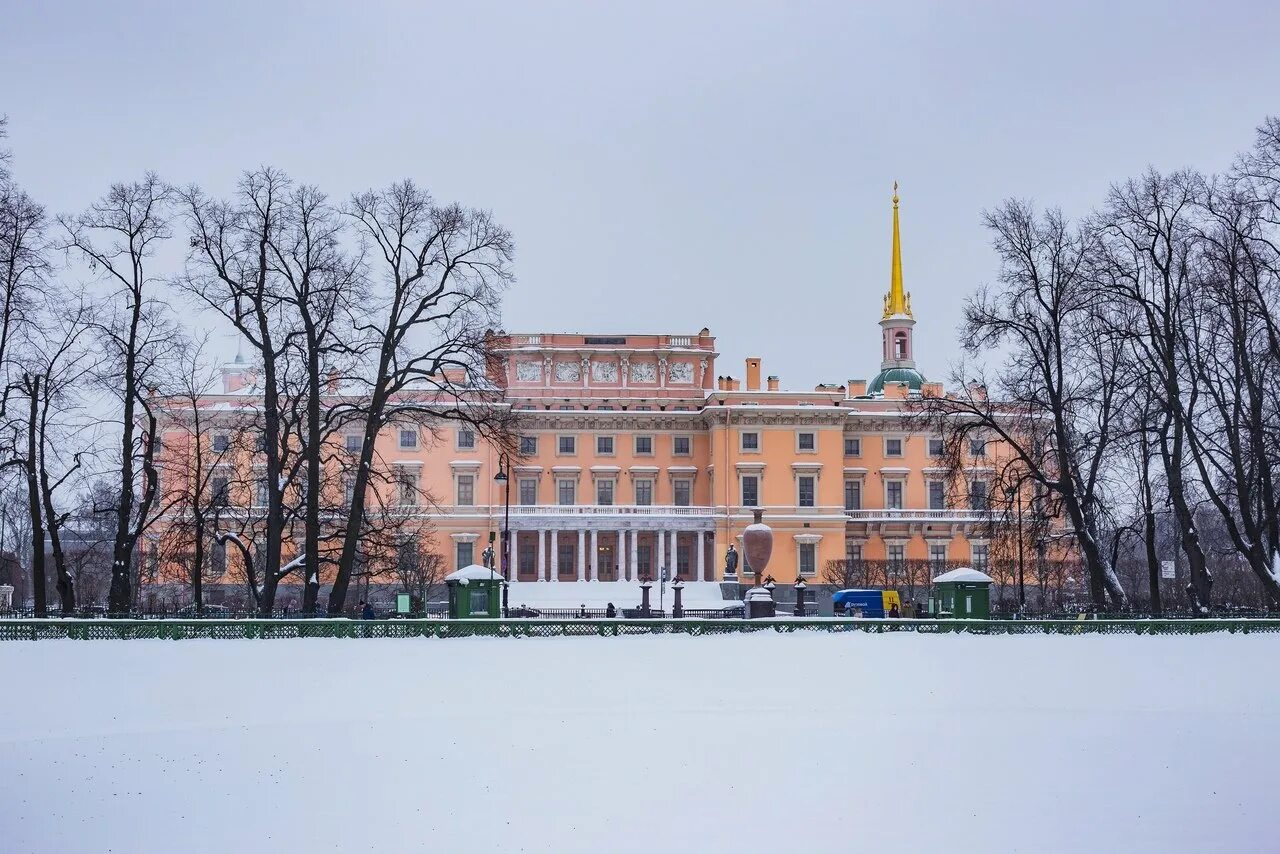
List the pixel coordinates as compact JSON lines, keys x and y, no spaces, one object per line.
{"x":760,"y":743}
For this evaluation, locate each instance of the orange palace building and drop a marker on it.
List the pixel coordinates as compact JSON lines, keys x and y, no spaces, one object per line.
{"x":637,"y":456}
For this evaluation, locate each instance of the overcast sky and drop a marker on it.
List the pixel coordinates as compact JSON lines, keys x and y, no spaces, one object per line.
{"x":663,"y":166}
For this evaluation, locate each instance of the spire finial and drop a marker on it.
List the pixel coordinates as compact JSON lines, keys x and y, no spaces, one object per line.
{"x":896,"y":302}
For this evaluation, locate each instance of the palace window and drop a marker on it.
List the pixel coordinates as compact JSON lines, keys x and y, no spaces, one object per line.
{"x":466,"y":490}
{"x":750,"y":441}
{"x":750,"y":490}
{"x":262,"y":494}
{"x":806,"y":442}
{"x":220,"y":443}
{"x":935,"y":447}
{"x":644,"y":446}
{"x":566,"y":491}
{"x":808,"y":558}
{"x":977,"y":447}
{"x":937,"y":557}
{"x":853,"y":554}
{"x":896,"y":555}
{"x":604,"y":446}
{"x":893,"y":447}
{"x":682,"y":559}
{"x":978,"y":557}
{"x":348,"y":489}
{"x":642,"y":408}
{"x":466,"y":439}
{"x":354,"y":442}
{"x":937,"y":495}
{"x":644,"y":559}
{"x":853,"y":495}
{"x":567,"y":445}
{"x":893,"y":494}
{"x":644,"y":492}
{"x":604,"y":492}
{"x":465,"y":554}
{"x":528,"y":445}
{"x":567,"y":564}
{"x":220,"y":490}
{"x":528,"y":491}
{"x":806,"y":490}
{"x":218,"y":557}
{"x":978,"y":495}
{"x":409,"y":488}
{"x":527,"y":557}
{"x":681,"y":446}
{"x":682,"y":490}
{"x":408,"y":438}
{"x":853,"y":446}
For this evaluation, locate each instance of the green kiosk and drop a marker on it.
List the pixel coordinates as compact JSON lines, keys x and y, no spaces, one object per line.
{"x":474,"y":592}
{"x":964,"y":593}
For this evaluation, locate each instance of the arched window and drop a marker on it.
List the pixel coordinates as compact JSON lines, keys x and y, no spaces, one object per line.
{"x":900,"y":345}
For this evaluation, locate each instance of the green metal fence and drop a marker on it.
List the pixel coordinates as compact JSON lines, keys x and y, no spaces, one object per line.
{"x":107,"y":629}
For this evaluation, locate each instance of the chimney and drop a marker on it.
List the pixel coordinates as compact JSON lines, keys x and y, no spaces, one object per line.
{"x":731,"y":384}
{"x":720,"y":383}
{"x":753,"y":373}
{"x":895,"y":391}
{"x":773,"y":383}
{"x":857,"y":388}
{"x":331,"y":382}
{"x":977,"y":391}
{"x":931,"y":390}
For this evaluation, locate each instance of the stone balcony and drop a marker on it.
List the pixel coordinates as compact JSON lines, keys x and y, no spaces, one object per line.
{"x":608,"y":516}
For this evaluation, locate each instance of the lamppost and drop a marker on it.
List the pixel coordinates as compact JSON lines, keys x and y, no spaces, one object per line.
{"x":1011,"y":493}
{"x":502,"y":478}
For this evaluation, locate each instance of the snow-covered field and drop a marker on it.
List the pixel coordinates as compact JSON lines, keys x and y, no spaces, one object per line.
{"x":802,"y":743}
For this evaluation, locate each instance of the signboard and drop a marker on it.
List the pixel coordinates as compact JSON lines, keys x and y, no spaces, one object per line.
{"x":1167,"y":569}
{"x":402,"y":603}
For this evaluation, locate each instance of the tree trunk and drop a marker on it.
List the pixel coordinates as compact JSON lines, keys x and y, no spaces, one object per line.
{"x":311,"y":526}
{"x":33,"y":502}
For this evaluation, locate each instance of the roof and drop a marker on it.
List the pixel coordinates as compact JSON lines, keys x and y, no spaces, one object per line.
{"x":475,"y":572}
{"x":913,"y":378}
{"x":964,"y":573}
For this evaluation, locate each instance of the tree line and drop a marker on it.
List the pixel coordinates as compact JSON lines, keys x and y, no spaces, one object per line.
{"x":1137,"y":391}
{"x":351,"y":316}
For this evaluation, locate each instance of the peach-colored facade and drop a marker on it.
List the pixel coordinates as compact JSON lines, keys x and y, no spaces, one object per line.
{"x":636,"y":456}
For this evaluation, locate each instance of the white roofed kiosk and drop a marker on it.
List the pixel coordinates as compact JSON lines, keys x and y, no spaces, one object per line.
{"x":474,"y":592}
{"x":963,"y":593}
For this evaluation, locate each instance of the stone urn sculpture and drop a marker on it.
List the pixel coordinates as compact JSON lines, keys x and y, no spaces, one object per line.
{"x":757,"y":542}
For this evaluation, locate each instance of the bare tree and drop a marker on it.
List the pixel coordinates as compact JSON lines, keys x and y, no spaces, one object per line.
{"x":24,"y":262}
{"x":1053,"y":406}
{"x":118,"y":235}
{"x":443,"y":270}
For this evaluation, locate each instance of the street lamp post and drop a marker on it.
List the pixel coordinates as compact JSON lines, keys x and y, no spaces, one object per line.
{"x":503,"y":478}
{"x":1016,"y":492}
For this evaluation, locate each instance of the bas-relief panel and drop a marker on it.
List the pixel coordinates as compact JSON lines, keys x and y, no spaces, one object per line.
{"x":529,"y":372}
{"x":680,"y":372}
{"x":604,"y":372}
{"x":568,"y":372}
{"x":644,"y":372}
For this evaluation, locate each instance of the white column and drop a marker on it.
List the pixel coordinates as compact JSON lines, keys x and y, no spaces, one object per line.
{"x":555,"y":555}
{"x":635,"y":555}
{"x":620,"y":553}
{"x":582,"y":555}
{"x":595,"y":554}
{"x":658,"y":559}
{"x":701,"y":550}
{"x":542,"y":554}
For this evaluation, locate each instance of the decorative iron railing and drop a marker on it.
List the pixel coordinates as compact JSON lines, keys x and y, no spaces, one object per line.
{"x":55,"y":629}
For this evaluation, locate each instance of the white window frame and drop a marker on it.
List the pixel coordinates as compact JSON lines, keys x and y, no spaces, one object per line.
{"x":814,"y":434}
{"x":457,"y":438}
{"x":612,"y":485}
{"x":800,"y":551}
{"x":902,"y":447}
{"x":635,"y":445}
{"x":800,"y":477}
{"x":220,"y":438}
{"x":613,"y":445}
{"x":573,"y":487}
{"x":675,"y":491}
{"x":347,"y":441}
{"x":902,"y":495}
{"x":533,"y":451}
{"x":405,"y":432}
{"x":942,"y":448}
{"x":742,"y":436}
{"x":407,"y":487}
{"x":520,"y":482}
{"x":857,"y":440}
{"x":653,"y":488}
{"x":942,"y":486}
{"x":742,"y":488}
{"x":573,"y":439}
{"x":858,"y":482}
{"x":457,"y":489}
{"x":688,"y":452}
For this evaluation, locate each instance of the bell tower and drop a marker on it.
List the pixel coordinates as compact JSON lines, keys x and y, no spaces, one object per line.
{"x":897,"y":323}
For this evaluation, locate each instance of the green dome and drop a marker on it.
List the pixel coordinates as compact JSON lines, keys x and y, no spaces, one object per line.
{"x":913,"y":378}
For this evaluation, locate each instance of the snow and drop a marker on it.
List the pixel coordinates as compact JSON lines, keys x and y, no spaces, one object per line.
{"x":584,"y":744}
{"x":475,"y":572}
{"x":598,"y":594}
{"x":964,"y":573}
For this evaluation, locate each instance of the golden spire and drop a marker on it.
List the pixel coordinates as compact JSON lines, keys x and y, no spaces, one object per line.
{"x":897,"y":301}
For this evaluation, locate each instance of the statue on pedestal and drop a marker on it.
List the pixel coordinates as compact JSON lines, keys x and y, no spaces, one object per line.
{"x":731,"y":561}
